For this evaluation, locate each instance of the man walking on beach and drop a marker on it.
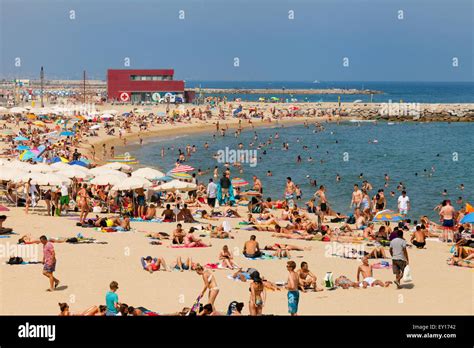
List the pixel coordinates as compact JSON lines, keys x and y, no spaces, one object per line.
{"x":64,"y":200}
{"x":49,"y":262}
{"x":225,"y":185}
{"x":292,"y":287}
{"x":211,"y":193}
{"x":403,"y":204}
{"x":356,"y":197}
{"x":398,"y":250}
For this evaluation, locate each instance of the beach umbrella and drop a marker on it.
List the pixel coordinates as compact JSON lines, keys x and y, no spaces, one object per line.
{"x":20,"y":138}
{"x":58,"y":165}
{"x":387,"y":215}
{"x":78,"y":163}
{"x":176,"y":185}
{"x":22,"y":147}
{"x":148,"y":173}
{"x":94,"y":127}
{"x":468,"y":218}
{"x":106,"y":116}
{"x":469,"y":208}
{"x":139,"y":111}
{"x":27,"y":155}
{"x":106,"y":180}
{"x":182,"y":169}
{"x":15,"y":164}
{"x":75,"y":172}
{"x":180,"y":176}
{"x":50,"y":179}
{"x":18,"y":110}
{"x":41,"y":168}
{"x":132,"y":183}
{"x":239,"y":182}
{"x":8,"y":174}
{"x":66,"y":134}
{"x":117,"y":166}
{"x":31,"y":117}
{"x":104,"y":171}
{"x":165,"y":178}
{"x":3,"y":110}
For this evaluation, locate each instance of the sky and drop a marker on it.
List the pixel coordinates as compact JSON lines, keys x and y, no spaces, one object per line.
{"x":272,"y":40}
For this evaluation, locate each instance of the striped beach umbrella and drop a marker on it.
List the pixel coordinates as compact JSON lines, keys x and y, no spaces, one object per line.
{"x":180,"y":176}
{"x":182,"y":169}
{"x":387,"y":215}
{"x":239,"y":182}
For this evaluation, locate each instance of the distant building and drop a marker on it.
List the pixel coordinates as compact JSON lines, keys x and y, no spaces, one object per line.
{"x":145,"y":86}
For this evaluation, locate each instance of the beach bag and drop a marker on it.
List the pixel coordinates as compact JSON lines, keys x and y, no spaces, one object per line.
{"x":328,"y":280}
{"x":226,"y":226}
{"x":15,"y":260}
{"x":351,"y":220}
{"x":407,"y":274}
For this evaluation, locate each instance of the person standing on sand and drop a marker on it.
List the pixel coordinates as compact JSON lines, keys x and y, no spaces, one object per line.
{"x":211,"y":193}
{"x":293,"y":289}
{"x":398,"y":250}
{"x":404,"y":204}
{"x":290,"y":189}
{"x":356,"y":197}
{"x":49,"y":262}
{"x":446,"y":214}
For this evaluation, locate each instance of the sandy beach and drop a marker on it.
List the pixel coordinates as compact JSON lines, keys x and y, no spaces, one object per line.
{"x":86,"y":270}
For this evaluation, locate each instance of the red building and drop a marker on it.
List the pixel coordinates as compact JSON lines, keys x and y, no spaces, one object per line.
{"x":148,"y":86}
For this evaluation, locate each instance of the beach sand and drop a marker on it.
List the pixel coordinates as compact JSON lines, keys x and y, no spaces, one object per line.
{"x":86,"y":270}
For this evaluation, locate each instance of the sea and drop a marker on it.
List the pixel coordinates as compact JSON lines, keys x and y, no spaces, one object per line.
{"x":427,"y":158}
{"x":409,"y":92}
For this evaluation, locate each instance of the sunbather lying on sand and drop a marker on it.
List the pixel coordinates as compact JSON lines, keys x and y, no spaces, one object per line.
{"x":277,"y":246}
{"x":345,"y":283}
{"x":153,"y":264}
{"x":94,"y":310}
{"x":113,"y":222}
{"x":466,"y":262}
{"x":184,"y":266}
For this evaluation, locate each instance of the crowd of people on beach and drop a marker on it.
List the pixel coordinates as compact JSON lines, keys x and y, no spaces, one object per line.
{"x":211,"y":202}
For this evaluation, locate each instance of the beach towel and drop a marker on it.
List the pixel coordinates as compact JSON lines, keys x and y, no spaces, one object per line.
{"x":382,"y":265}
{"x":261,"y":257}
{"x":182,"y":246}
{"x":142,"y":220}
{"x":148,"y":312}
{"x":4,"y":236}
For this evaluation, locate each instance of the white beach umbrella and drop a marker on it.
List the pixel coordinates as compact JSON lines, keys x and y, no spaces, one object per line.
{"x":75,"y":172}
{"x":104,"y":171}
{"x":8,"y":174}
{"x":117,"y":166}
{"x":3,"y":110}
{"x":176,"y":185}
{"x":41,"y":168}
{"x":148,"y":173}
{"x":132,"y":183}
{"x":50,"y":179}
{"x":106,"y":180}
{"x":18,"y":110}
{"x":15,"y":164}
{"x":60,"y":166}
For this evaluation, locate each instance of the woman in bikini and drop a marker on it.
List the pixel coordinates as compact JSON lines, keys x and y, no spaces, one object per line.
{"x":226,"y":258}
{"x":210,"y":284}
{"x":83,"y":202}
{"x":257,"y":295}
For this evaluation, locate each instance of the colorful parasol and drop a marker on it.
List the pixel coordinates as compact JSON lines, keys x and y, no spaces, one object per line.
{"x":387,"y":215}
{"x":182,"y":169}
{"x":180,"y":176}
{"x":239,"y":182}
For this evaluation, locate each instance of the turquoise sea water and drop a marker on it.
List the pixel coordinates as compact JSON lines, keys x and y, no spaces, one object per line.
{"x":402,"y":151}
{"x":410,"y":92}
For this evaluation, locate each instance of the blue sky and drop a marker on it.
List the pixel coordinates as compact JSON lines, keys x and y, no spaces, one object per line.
{"x":269,"y":45}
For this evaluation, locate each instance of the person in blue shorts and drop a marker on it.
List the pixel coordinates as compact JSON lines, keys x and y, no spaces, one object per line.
{"x":292,"y":287}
